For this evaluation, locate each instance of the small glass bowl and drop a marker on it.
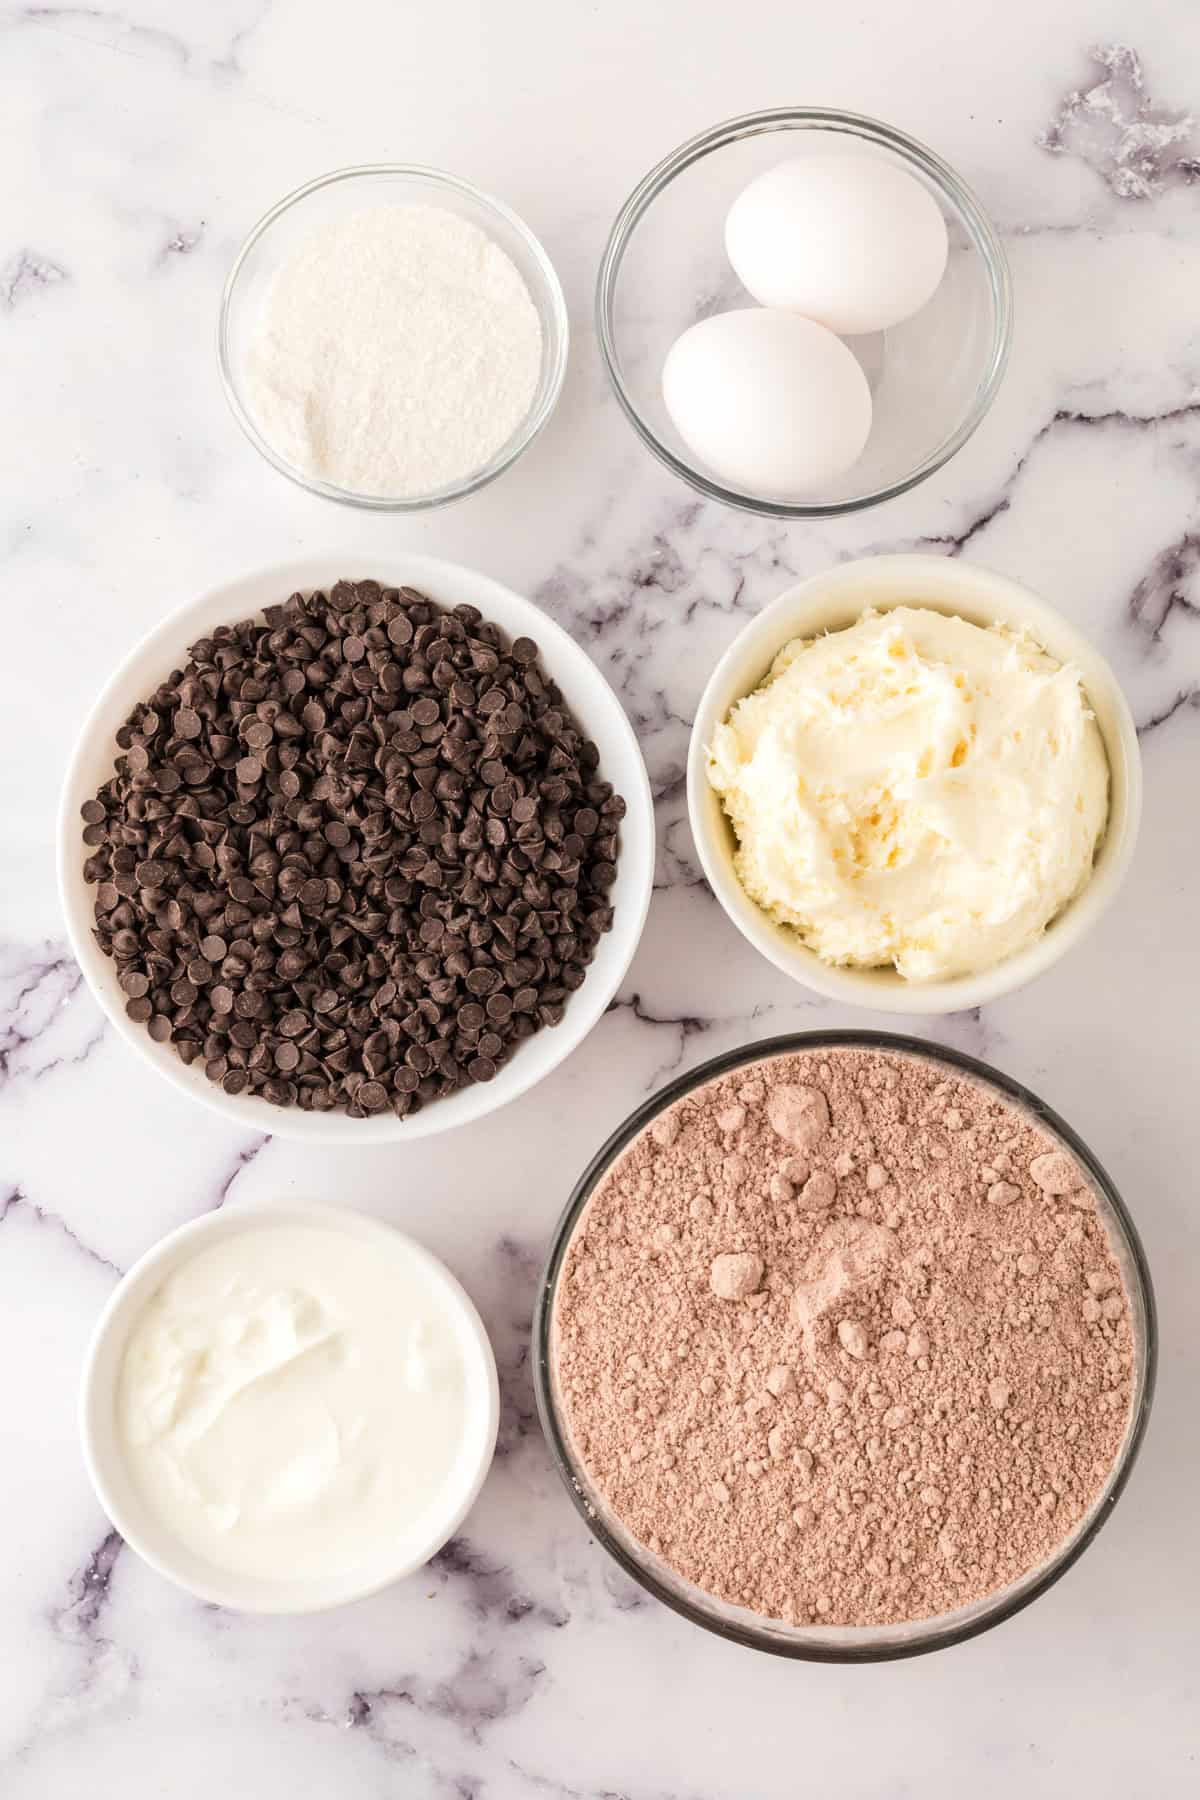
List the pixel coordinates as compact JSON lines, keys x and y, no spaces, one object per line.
{"x":329,"y":197}
{"x":836,"y":1643}
{"x":932,"y":377}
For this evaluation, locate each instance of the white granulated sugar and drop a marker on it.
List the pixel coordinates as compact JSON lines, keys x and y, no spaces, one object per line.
{"x":397,"y":351}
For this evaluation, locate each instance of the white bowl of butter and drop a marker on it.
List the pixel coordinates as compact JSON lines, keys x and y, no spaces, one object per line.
{"x":288,"y":1407}
{"x":931,"y":791}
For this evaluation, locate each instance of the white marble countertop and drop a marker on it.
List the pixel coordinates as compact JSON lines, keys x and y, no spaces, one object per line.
{"x":138,"y":146}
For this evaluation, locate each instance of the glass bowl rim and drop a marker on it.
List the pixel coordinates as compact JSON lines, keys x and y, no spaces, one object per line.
{"x":952,"y":189}
{"x":554,"y":352}
{"x":734,"y":1631}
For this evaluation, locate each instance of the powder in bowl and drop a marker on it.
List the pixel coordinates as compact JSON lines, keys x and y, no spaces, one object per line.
{"x":398,"y":350}
{"x":840,"y":1338}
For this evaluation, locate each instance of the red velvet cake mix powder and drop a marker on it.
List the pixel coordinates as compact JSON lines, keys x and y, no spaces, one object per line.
{"x":841,"y":1338}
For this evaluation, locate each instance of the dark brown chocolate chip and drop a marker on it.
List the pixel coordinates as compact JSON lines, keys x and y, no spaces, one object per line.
{"x":361,"y":849}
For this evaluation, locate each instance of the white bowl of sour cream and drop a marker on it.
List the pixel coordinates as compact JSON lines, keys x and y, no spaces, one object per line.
{"x":288,"y":1407}
{"x":896,"y":857}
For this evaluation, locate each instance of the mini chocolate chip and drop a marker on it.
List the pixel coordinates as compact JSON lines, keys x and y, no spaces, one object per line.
{"x":455,"y":822}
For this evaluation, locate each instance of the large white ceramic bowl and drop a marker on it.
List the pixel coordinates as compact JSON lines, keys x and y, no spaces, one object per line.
{"x":831,"y":601}
{"x":591,"y":700}
{"x":151,"y":1536}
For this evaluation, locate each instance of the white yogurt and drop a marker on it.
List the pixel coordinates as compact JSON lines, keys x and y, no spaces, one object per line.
{"x":294,"y":1401}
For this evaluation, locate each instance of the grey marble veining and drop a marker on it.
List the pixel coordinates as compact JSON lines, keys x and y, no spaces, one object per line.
{"x":141,"y":142}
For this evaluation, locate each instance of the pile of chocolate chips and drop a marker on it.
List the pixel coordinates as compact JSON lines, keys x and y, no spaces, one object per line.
{"x":352,"y":856}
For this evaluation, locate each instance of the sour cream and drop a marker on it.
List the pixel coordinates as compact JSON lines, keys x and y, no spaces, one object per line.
{"x":296,"y":1402}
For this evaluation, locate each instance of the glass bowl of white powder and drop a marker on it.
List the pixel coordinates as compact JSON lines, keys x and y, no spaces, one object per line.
{"x":391,"y":337}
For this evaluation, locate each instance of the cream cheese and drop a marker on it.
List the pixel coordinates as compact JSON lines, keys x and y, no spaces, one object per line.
{"x":292,"y":1400}
{"x":914,"y":790}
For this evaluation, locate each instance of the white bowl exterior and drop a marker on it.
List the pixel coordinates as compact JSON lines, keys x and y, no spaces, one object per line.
{"x":586,"y":692}
{"x":150,"y":1537}
{"x":830,"y":602}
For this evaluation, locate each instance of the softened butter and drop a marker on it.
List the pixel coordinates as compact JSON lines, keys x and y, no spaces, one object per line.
{"x":914,"y":790}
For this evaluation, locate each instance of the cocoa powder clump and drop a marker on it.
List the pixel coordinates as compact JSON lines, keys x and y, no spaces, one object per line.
{"x":877,"y":1370}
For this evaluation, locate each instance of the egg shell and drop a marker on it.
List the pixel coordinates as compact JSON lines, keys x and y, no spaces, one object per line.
{"x":850,"y":240}
{"x":772,"y":403}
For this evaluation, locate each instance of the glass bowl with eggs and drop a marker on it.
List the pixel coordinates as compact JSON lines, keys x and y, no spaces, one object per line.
{"x":803,"y":312}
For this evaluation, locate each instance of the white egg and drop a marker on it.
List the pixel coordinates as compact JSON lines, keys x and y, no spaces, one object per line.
{"x":853,"y":241}
{"x":769,"y":401}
